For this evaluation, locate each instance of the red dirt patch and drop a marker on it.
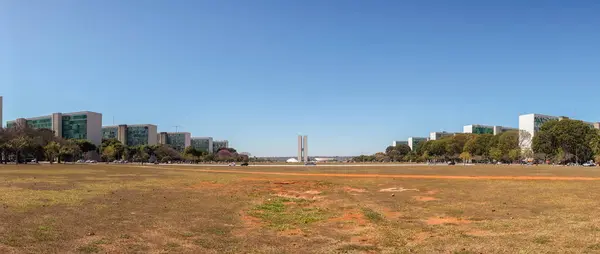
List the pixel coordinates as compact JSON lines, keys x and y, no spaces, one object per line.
{"x":350,"y":189}
{"x":424,"y":199}
{"x":206,"y":185}
{"x":351,"y":216}
{"x":291,"y":232}
{"x":446,"y":220}
{"x":249,"y":224}
{"x":362,"y":240}
{"x":391,"y":214}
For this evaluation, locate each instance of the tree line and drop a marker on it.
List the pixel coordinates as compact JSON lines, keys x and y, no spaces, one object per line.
{"x":561,"y":142}
{"x":22,"y":144}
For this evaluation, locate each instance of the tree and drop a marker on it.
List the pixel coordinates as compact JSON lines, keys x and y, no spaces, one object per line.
{"x":69,"y":150}
{"x":496,"y":154}
{"x":574,"y":139}
{"x":17,"y":145}
{"x":108,"y":153}
{"x":507,"y":141}
{"x":465,"y":157}
{"x":52,"y":150}
{"x":514,"y":154}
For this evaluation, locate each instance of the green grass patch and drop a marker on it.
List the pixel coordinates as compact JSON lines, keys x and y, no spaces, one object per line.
{"x":372,"y":215}
{"x":282,"y":216}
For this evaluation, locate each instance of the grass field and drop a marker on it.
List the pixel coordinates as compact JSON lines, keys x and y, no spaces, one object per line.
{"x":171,"y":209}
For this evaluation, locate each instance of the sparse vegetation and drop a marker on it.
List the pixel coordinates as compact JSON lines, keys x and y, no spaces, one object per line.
{"x":125,"y":208}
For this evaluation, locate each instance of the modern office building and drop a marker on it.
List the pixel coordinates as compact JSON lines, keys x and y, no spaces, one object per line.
{"x":177,"y":140}
{"x":439,"y":134}
{"x":399,"y":142}
{"x":132,"y":135}
{"x":485,"y":129}
{"x":414,"y":141}
{"x":203,"y":144}
{"x":220,"y":144}
{"x":76,"y":125}
{"x":530,"y":124}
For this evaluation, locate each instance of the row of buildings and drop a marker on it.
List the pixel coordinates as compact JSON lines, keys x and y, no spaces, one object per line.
{"x":88,"y":125}
{"x":529,"y":125}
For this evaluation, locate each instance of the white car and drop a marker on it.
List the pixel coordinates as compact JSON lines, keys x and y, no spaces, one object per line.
{"x":589,"y":164}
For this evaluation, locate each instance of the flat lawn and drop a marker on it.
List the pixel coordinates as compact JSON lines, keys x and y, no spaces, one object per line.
{"x":374,"y":209}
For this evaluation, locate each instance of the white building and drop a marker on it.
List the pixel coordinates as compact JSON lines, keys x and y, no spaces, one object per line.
{"x":530,"y":124}
{"x":414,"y":141}
{"x":438,"y":135}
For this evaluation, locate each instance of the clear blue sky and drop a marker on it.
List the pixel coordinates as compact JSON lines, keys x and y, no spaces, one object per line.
{"x":353,"y":75}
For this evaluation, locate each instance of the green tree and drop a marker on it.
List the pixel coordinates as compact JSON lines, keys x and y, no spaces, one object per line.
{"x":69,"y":151}
{"x":108,"y":153}
{"x":514,"y":154}
{"x":17,"y":145}
{"x":496,"y":154}
{"x":465,"y":157}
{"x":573,"y":138}
{"x":52,"y":151}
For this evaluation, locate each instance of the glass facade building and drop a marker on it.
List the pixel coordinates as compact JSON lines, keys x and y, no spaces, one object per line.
{"x":109,"y":132}
{"x":40,"y":123}
{"x":177,"y":141}
{"x":77,"y":125}
{"x":137,"y":135}
{"x":482,"y":129}
{"x":74,"y":126}
{"x":203,"y":144}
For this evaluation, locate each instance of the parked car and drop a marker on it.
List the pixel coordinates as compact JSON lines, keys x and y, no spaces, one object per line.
{"x":232,"y":164}
{"x":589,"y":164}
{"x":451,"y":163}
{"x":310,"y":163}
{"x":80,"y":161}
{"x":245,"y":164}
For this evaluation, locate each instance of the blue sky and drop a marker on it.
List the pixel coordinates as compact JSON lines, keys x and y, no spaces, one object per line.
{"x":352,"y":75}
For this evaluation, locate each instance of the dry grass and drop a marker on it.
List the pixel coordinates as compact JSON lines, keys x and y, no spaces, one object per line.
{"x":132,"y":209}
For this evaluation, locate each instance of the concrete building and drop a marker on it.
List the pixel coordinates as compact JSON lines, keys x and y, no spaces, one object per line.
{"x":177,"y":140}
{"x":303,"y":148}
{"x":220,"y":144}
{"x":132,"y":135}
{"x":398,"y":142}
{"x":77,"y":125}
{"x":485,"y":129}
{"x":439,"y":134}
{"x":203,"y":144}
{"x":414,"y":141}
{"x":530,"y":124}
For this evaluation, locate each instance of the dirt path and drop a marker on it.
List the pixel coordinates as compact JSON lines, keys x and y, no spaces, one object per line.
{"x":559,"y":178}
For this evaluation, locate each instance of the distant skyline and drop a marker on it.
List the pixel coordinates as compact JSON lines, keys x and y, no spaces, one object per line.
{"x":352,"y":75}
